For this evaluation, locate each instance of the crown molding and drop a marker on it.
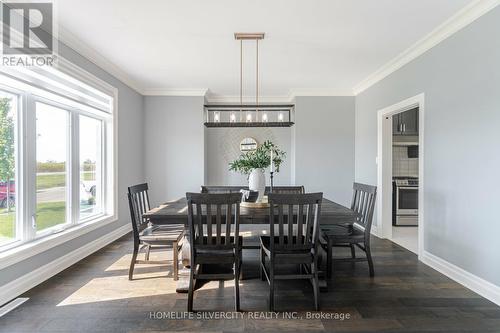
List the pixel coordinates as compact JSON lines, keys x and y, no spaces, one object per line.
{"x":461,"y":19}
{"x":234,"y":99}
{"x":97,"y":59}
{"x":175,"y":92}
{"x":319,"y":92}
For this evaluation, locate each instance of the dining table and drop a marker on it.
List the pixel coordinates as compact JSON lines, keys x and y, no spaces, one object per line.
{"x":176,"y":212}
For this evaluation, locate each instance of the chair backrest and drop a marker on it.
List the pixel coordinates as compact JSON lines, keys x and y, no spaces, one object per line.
{"x":363,"y":203}
{"x":138,"y":200}
{"x":235,"y":189}
{"x":222,"y":189}
{"x":286,"y":189}
{"x":301,"y":210}
{"x":212,"y":219}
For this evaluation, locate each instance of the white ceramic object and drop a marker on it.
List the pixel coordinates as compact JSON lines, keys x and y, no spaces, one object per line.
{"x":257,"y":182}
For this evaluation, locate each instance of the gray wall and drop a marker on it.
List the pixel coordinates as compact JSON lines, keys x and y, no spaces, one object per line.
{"x":174,"y":146}
{"x":461,"y":81}
{"x":223,"y":146}
{"x":323,"y":138}
{"x":130,"y":166}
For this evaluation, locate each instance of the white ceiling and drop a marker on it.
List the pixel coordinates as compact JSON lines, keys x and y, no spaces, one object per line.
{"x":320,"y":45}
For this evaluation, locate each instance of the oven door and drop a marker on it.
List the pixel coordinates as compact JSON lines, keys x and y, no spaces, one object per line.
{"x":407,"y":200}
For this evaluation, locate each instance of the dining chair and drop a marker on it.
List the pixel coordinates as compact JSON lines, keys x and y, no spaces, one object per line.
{"x":294,"y":241}
{"x":356,"y":235}
{"x":147,"y":235}
{"x":214,"y":221}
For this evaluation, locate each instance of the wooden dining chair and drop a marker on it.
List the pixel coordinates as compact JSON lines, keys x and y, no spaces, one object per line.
{"x":357,"y":235}
{"x":214,"y":221}
{"x":296,"y":217}
{"x":147,"y":235}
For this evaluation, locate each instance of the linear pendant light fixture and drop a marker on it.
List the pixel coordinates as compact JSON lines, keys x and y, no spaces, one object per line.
{"x":249,"y":115}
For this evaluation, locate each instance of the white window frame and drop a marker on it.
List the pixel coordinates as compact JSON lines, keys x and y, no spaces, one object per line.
{"x":28,"y":242}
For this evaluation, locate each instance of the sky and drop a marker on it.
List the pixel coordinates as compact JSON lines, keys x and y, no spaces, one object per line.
{"x":52,"y":140}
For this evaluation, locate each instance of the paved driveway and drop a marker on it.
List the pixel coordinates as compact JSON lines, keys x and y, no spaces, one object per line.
{"x":53,"y":194}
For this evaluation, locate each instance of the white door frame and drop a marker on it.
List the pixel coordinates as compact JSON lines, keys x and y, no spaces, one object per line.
{"x":384,"y":167}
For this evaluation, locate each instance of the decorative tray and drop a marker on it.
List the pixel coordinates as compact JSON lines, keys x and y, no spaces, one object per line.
{"x":255,"y":204}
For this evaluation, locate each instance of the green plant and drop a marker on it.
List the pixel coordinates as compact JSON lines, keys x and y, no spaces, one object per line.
{"x":259,"y":159}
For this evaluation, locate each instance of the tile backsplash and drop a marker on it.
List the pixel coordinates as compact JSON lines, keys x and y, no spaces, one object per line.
{"x":401,"y":164}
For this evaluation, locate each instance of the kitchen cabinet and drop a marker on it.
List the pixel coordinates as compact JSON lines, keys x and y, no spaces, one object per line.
{"x":405,"y":123}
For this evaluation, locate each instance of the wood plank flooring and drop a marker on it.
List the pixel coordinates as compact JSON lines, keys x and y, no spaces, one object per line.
{"x":95,"y":295}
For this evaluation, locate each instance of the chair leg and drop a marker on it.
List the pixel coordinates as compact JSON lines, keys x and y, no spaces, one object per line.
{"x":329,"y":258}
{"x":315,"y":283}
{"x":353,"y":251}
{"x":191,"y":288}
{"x":132,"y":262}
{"x":175,"y":259}
{"x":370,"y":260}
{"x":237,"y":286}
{"x":271,"y":285}
{"x":262,"y":263}
{"x":148,"y":249}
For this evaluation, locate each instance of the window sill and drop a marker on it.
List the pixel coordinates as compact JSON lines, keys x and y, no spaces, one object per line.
{"x":24,"y":251}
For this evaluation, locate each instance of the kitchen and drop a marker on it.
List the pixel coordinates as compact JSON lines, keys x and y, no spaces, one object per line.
{"x":405,"y":182}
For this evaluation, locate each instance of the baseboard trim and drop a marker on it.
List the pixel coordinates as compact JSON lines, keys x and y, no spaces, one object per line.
{"x":478,"y":285}
{"x":24,"y":283}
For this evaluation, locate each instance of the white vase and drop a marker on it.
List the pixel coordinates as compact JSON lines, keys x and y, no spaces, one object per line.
{"x":257,"y":182}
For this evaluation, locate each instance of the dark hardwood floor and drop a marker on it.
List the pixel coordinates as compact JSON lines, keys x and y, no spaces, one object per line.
{"x":95,"y":295}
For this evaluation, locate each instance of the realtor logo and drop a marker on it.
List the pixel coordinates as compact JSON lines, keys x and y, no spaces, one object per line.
{"x":28,"y":33}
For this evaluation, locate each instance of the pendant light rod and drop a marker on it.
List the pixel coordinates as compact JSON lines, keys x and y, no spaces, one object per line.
{"x":257,"y":82}
{"x":241,"y":79}
{"x":241,"y":36}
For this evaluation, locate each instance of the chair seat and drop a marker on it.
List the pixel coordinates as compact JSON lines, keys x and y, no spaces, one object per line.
{"x":341,"y":234}
{"x":161,"y":233}
{"x":211,"y":253}
{"x":208,"y":248}
{"x":297,"y":255}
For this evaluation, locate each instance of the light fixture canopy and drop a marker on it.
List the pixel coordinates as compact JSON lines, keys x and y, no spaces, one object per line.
{"x":249,"y":35}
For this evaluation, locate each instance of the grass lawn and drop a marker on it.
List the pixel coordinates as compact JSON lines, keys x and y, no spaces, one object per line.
{"x":48,"y":181}
{"x":49,"y":214}
{"x":57,"y":180}
{"x":6,"y":224}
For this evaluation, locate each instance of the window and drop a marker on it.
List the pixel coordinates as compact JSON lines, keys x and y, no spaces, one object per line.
{"x":52,"y":176}
{"x":56,"y":153}
{"x":90,"y":167}
{"x":8,"y":125}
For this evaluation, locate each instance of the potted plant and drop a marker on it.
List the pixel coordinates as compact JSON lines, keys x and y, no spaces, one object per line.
{"x":253,"y":164}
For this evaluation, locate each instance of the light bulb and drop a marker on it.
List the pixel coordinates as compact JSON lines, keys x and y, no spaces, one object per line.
{"x":232,"y":118}
{"x":280,"y":117}
{"x":264,"y":117}
{"x":249,"y":117}
{"x":216,"y":117}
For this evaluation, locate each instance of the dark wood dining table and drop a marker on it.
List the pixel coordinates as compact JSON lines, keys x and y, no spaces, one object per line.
{"x":175,"y":212}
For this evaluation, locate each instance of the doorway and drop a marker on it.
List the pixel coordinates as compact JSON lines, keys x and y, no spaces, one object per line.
{"x":400,"y":173}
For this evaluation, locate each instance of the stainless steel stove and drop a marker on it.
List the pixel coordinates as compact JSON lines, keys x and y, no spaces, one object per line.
{"x":405,"y":201}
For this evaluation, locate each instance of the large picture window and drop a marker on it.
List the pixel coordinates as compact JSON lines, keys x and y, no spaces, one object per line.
{"x":56,"y":154}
